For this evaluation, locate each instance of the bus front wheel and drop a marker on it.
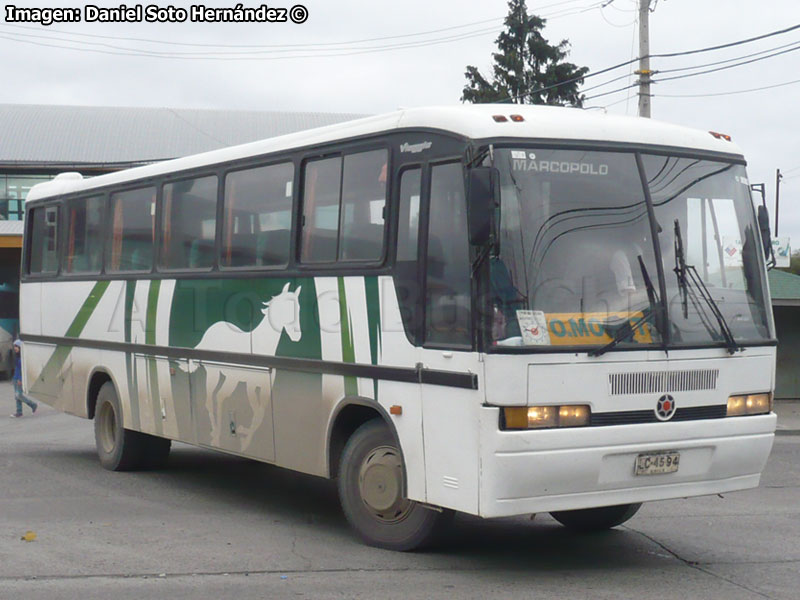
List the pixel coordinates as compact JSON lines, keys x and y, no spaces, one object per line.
{"x":596,"y":519}
{"x":371,"y":493}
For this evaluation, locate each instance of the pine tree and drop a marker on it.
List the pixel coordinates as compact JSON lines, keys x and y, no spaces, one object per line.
{"x":524,"y":63}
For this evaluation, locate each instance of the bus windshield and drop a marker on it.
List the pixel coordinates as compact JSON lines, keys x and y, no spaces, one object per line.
{"x":577,"y":261}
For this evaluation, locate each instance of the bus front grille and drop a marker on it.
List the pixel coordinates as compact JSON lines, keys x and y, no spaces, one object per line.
{"x":661,"y":382}
{"x":631,"y":417}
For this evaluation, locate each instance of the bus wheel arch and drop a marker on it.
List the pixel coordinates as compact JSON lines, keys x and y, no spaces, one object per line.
{"x":351,"y":414}
{"x":97,"y":379}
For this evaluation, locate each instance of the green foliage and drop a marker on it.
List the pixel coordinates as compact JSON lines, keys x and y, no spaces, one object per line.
{"x":524,"y":63}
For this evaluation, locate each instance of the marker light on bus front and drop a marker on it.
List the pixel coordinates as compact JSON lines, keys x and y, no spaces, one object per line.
{"x":541,"y":417}
{"x":749,"y":404}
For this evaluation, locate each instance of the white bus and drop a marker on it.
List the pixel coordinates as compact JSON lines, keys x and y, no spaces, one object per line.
{"x":492,"y":309}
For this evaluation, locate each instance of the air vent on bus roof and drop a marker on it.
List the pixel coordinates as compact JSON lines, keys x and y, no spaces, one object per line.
{"x":69,"y":176}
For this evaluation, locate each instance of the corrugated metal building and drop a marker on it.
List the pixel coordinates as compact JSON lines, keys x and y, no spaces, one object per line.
{"x":785,"y":290}
{"x":39,"y":141}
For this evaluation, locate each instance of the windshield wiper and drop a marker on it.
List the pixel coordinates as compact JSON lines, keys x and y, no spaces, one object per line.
{"x":687,"y":274}
{"x":622,"y":332}
{"x":626,"y":330}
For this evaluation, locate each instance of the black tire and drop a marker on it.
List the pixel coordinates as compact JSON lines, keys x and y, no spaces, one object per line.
{"x":596,"y":519}
{"x":118,"y":449}
{"x":371,"y":493}
{"x":155,"y":451}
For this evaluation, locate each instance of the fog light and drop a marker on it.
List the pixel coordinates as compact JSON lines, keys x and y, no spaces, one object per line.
{"x":749,"y":404}
{"x":542,"y":417}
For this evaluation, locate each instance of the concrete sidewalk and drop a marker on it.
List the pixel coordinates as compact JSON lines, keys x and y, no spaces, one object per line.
{"x":788,"y":412}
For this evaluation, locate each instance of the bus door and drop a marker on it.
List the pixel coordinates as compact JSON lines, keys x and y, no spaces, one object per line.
{"x":447,"y":397}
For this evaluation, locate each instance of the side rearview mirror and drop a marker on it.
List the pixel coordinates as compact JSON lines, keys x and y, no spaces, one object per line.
{"x":763,"y":226}
{"x":483,"y":187}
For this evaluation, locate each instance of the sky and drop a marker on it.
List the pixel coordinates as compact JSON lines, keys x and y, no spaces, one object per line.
{"x":376,"y":56}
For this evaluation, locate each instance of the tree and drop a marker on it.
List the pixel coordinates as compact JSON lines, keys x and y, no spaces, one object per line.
{"x":526,"y":62}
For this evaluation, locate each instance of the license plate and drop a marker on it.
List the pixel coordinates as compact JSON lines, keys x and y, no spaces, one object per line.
{"x":655,"y":463}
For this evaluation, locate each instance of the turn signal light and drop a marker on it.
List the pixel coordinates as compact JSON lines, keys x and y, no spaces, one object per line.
{"x":721,"y":136}
{"x":543,"y":417}
{"x":517,"y":118}
{"x":499,"y":118}
{"x":749,"y":404}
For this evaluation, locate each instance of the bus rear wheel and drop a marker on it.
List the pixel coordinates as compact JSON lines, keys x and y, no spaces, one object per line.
{"x":118,"y":449}
{"x":596,"y":519}
{"x":121,"y":449}
{"x":371,"y":493}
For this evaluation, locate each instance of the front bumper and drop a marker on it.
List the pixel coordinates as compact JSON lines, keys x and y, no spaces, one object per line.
{"x":563,"y":469}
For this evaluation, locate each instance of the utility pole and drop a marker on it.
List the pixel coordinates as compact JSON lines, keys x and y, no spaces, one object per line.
{"x":644,"y":58}
{"x":778,"y":178}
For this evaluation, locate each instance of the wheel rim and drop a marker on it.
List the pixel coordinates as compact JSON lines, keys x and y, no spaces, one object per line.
{"x":108,"y":427}
{"x":380,"y":483}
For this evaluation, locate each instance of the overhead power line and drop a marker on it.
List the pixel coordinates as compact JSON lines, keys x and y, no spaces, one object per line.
{"x":666,"y":55}
{"x":253,"y":46}
{"x":728,"y":60}
{"x":756,"y":89}
{"x":739,"y":64}
{"x":245,"y":52}
{"x":686,"y":75}
{"x":241,"y":56}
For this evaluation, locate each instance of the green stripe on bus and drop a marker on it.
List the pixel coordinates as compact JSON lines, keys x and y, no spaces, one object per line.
{"x":49,"y":374}
{"x":80,"y":320}
{"x":130,"y":292}
{"x":152,"y":365}
{"x":373,"y":322}
{"x":348,"y":350}
{"x":130,"y":360}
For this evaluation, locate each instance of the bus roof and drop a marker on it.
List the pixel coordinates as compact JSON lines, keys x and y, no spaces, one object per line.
{"x":473,"y":121}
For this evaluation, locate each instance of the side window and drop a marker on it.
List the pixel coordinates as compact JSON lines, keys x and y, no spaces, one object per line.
{"x":343,"y":208}
{"x":188,"y":223}
{"x":363,"y":202}
{"x":133,"y":214}
{"x":85,"y":222}
{"x":43,"y":256}
{"x":447,"y":319}
{"x":408,"y":223}
{"x":322,"y":184}
{"x":406,"y":279}
{"x":257,"y":216}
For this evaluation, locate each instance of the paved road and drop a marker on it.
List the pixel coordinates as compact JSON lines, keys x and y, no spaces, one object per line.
{"x":213,"y":526}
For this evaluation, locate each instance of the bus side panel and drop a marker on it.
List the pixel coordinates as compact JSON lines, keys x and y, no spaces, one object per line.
{"x":233,"y":409}
{"x":394,"y":349}
{"x":451,"y":430}
{"x":30,"y":302}
{"x":50,"y":372}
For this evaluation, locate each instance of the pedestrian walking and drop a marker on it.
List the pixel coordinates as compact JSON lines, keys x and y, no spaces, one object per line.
{"x":19,"y":396}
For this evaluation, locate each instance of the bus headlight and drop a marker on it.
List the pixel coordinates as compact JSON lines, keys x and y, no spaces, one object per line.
{"x":749,"y":404}
{"x":541,"y":417}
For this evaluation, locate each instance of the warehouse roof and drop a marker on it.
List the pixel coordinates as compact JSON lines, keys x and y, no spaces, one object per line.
{"x":784,"y":288}
{"x":72,"y":136}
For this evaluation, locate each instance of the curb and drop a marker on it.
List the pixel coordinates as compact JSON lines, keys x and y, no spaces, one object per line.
{"x":787,"y":432}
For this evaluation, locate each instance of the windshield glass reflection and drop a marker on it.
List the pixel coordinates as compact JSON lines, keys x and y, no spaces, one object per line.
{"x":577,"y":266}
